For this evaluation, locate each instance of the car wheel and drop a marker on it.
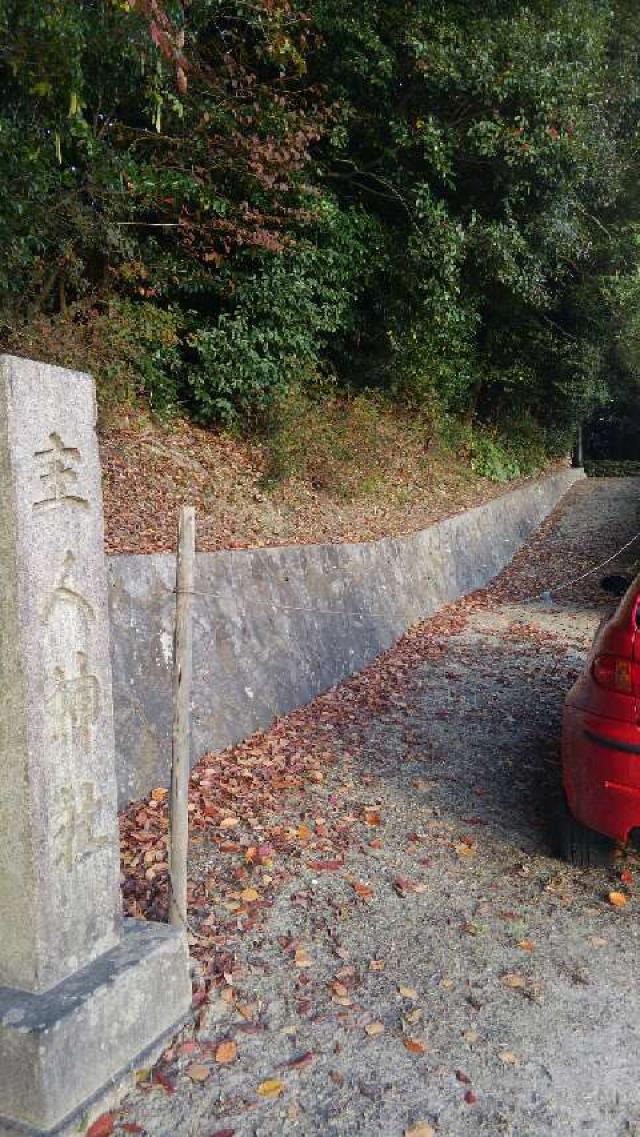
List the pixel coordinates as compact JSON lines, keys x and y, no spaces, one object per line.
{"x":580,"y":845}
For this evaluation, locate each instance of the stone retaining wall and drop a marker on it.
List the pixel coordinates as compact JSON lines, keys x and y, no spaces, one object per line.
{"x":274,"y":627}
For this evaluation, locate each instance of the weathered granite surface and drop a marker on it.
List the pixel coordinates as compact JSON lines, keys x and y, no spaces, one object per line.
{"x":59,"y":863}
{"x":274,"y":627}
{"x":62,"y":1049}
{"x":78,"y":1001}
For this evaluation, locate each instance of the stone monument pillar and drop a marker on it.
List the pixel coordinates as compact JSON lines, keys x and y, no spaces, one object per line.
{"x":84,"y":995}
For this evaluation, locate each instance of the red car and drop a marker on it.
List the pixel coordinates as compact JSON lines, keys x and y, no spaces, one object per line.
{"x":601,"y":738}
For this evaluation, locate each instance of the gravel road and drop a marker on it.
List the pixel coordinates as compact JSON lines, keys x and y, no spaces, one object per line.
{"x":421,"y":957}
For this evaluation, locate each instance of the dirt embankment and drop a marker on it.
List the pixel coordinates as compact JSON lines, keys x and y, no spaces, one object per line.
{"x":385,"y":480}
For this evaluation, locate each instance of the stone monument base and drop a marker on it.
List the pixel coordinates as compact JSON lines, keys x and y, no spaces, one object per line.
{"x":62,"y":1049}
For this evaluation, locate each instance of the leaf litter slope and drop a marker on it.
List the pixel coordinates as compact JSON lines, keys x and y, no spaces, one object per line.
{"x":384,"y":940}
{"x":151,"y":470}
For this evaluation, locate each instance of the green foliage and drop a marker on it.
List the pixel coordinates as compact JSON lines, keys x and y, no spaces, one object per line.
{"x":132,"y":350}
{"x":338,"y":444}
{"x":519,"y":449}
{"x":218,"y":205}
{"x":283,"y":313}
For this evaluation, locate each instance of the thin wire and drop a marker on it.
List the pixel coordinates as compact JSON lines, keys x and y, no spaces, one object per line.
{"x":545,"y":592}
{"x":292,"y":607}
{"x":583,"y":576}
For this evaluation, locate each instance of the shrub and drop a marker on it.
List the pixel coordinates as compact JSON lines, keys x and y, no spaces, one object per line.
{"x":131,"y":349}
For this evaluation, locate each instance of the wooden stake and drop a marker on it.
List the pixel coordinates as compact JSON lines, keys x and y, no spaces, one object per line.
{"x":180,"y":741}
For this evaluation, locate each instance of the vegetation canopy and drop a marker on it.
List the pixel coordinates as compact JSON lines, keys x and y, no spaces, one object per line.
{"x":229,"y":206}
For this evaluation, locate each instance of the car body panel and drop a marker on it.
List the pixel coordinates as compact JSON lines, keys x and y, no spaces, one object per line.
{"x":601,"y":733}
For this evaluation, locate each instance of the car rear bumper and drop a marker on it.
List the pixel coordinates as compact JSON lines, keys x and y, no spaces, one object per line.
{"x":601,"y":772}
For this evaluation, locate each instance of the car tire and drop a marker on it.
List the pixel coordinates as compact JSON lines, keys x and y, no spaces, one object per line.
{"x":579,"y":845}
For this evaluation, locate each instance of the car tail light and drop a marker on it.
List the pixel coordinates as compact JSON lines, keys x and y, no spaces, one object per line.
{"x":614,"y":673}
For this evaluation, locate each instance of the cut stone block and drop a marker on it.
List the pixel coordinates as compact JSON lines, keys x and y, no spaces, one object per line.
{"x":79,"y":1001}
{"x":59,"y":864}
{"x":60,"y":1049}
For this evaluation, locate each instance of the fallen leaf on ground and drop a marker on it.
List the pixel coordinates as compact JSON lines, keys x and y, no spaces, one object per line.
{"x":165,"y":1081}
{"x":362,"y":889}
{"x":462,"y":1077}
{"x":508,"y":1058}
{"x":197,"y":1072}
{"x":223,"y":1133}
{"x":374,"y":1029}
{"x":102,"y":1127}
{"x":420,"y":1129}
{"x":408,"y":992}
{"x":325,"y":866}
{"x":415,"y":1045}
{"x":249,"y":895}
{"x":229,"y":822}
{"x":403,"y":885}
{"x":271,"y":1088}
{"x":376,"y":965}
{"x":470,"y":1035}
{"x":514,"y":980}
{"x":598,"y":941}
{"x":226,"y":1051}
{"x":626,"y":876}
{"x":300,"y":1060}
{"x":526,"y":945}
{"x":371,"y":815}
{"x":247,"y":1010}
{"x":470,"y":1097}
{"x":618,"y":899}
{"x":302,"y":958}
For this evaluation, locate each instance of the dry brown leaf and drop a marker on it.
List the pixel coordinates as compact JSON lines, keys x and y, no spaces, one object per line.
{"x":618,"y":899}
{"x":374,"y":1029}
{"x":249,"y":895}
{"x":271,"y":1088}
{"x":408,"y":992}
{"x":509,"y":1058}
{"x":103,"y":1126}
{"x":229,"y":822}
{"x":376,"y":965}
{"x":302,"y":958}
{"x":420,"y":1129}
{"x":514,"y":980}
{"x":226,"y":1052}
{"x":247,"y":1010}
{"x":415,"y":1045}
{"x":526,"y":945}
{"x":197,"y":1072}
{"x":362,"y":889}
{"x":470,"y":1036}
